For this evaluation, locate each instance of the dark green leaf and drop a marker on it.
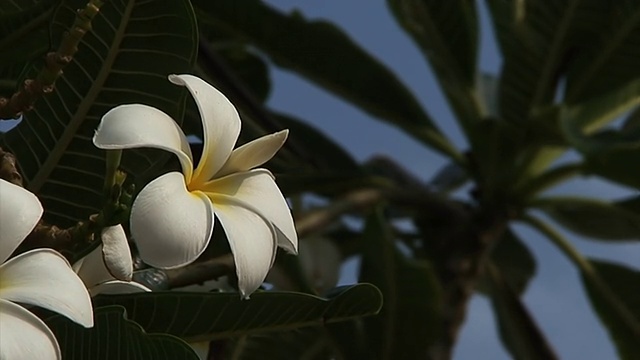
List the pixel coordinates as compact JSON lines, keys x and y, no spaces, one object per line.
{"x":623,"y":282}
{"x":592,"y":218}
{"x":21,"y":19}
{"x":324,"y":54}
{"x":514,"y":262}
{"x":332,"y":184}
{"x":534,"y":38}
{"x":410,"y":317}
{"x":605,"y":58}
{"x":248,"y":66}
{"x":449,"y":178}
{"x":614,"y":155}
{"x":326,"y":154}
{"x":495,"y":149}
{"x":579,"y":120}
{"x":488,"y":87}
{"x":23,"y":33}
{"x":307,"y":343}
{"x":124,"y":59}
{"x":113,"y":336}
{"x":620,"y":165}
{"x":446,"y":32}
{"x":206,"y":316}
{"x":518,"y":331}
{"x":632,"y":122}
{"x":630,"y":204}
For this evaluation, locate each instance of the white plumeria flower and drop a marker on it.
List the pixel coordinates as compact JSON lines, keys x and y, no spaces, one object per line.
{"x":108,"y":268}
{"x":172,"y":217}
{"x":40,"y":277}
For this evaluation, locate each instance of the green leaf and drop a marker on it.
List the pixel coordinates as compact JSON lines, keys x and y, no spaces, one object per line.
{"x":449,"y":178}
{"x":446,"y":32}
{"x":514,"y":262}
{"x":322,"y":53}
{"x":113,"y":336}
{"x":496,"y":147}
{"x":326,"y":184}
{"x":605,"y":59}
{"x":614,"y":155}
{"x":21,"y":19}
{"x":248,"y":66}
{"x":326,"y":155}
{"x":632,"y":122}
{"x":207,"y":316}
{"x":534,"y":38}
{"x":622,"y":281}
{"x":592,"y":218}
{"x":579,"y":120}
{"x":307,"y":343}
{"x":412,"y":297}
{"x":488,"y":86}
{"x":630,"y":204}
{"x":611,"y":289}
{"x":124,"y":59}
{"x":532,"y":183}
{"x":518,"y":330}
{"x":618,"y":165}
{"x":23,"y":34}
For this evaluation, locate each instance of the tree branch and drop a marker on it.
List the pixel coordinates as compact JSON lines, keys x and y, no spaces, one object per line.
{"x":9,"y":168}
{"x":32,"y":89}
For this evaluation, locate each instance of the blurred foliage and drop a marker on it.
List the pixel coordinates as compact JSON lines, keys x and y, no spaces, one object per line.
{"x":569,"y":78}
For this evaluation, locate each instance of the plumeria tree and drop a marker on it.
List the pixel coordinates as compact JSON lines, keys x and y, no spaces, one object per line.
{"x":153,"y":207}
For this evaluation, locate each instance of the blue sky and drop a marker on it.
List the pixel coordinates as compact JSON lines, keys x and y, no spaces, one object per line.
{"x":555,"y":296}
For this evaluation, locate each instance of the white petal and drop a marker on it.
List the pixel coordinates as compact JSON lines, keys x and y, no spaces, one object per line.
{"x":20,"y":211}
{"x":91,"y":269}
{"x":138,"y":126}
{"x":201,"y":349}
{"x":257,"y":187}
{"x":170,"y":225}
{"x":42,"y":277}
{"x":116,"y":253}
{"x":118,"y":287}
{"x":254,"y":153}
{"x":252,"y":241}
{"x":220,"y":121}
{"x":23,"y":336}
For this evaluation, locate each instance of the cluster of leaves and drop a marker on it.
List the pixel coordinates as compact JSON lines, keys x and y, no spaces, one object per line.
{"x":568,"y":73}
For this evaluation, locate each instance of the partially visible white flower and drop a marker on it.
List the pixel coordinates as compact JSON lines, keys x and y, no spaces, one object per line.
{"x":108,"y":268}
{"x":172,"y":217}
{"x":40,"y":277}
{"x":201,"y":349}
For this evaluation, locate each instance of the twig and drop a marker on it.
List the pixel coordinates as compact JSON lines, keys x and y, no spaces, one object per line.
{"x":24,"y":99}
{"x":200,"y":272}
{"x":9,"y":169}
{"x":314,"y":221}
